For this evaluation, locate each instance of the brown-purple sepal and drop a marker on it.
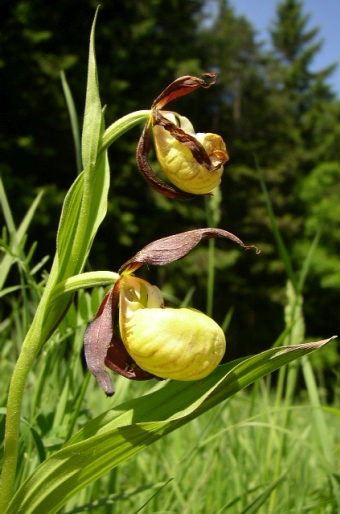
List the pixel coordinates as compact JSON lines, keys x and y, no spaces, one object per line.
{"x":118,"y":359}
{"x":172,"y":248}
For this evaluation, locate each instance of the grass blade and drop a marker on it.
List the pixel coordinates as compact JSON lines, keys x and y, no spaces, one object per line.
{"x":17,"y":235}
{"x":261,"y":499}
{"x":73,"y":119}
{"x":279,"y":241}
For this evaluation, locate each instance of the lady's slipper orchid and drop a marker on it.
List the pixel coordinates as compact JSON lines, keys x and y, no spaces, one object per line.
{"x":192,"y":162}
{"x":183,"y":344}
{"x":153,"y":341}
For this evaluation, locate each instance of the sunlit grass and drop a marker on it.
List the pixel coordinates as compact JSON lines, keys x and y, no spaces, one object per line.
{"x":219,"y":463}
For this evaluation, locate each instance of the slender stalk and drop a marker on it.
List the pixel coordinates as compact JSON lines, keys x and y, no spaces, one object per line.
{"x":211,"y":278}
{"x":83,"y":280}
{"x":118,"y":128}
{"x":29,"y":351}
{"x":211,"y":261}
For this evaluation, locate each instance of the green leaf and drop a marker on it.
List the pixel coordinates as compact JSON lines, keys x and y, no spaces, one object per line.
{"x":69,"y":218}
{"x":118,"y":434}
{"x":85,"y":205}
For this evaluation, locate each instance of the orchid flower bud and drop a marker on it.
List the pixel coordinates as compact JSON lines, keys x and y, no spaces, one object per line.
{"x":178,"y":162}
{"x":182,"y":344}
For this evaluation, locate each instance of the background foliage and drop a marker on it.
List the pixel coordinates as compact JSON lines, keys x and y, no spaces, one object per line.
{"x":267,"y":103}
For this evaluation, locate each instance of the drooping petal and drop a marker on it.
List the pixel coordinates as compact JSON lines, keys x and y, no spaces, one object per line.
{"x":97,"y":340}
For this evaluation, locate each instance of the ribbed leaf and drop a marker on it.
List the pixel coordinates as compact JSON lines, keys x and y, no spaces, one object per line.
{"x":85,"y":205}
{"x":125,"y":430}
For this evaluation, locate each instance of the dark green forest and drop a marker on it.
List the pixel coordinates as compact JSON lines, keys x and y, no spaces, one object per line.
{"x":268,"y":106}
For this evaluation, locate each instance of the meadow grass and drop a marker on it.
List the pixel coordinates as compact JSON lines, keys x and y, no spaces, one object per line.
{"x":221,"y":463}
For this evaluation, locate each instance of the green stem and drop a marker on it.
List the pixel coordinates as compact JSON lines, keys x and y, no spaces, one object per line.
{"x":82,"y":281}
{"x":121,"y":126}
{"x":22,"y":368}
{"x":211,"y":277}
{"x":211,"y":262}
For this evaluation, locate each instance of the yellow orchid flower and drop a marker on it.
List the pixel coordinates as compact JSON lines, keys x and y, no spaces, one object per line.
{"x":153,"y":341}
{"x":182,"y":344}
{"x":179,"y":163}
{"x":192,"y":162}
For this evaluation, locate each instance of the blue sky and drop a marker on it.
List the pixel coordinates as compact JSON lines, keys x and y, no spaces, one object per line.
{"x":323,"y":13}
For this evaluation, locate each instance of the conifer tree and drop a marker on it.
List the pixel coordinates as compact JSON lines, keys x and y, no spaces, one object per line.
{"x":314,"y":111}
{"x":296,"y":45}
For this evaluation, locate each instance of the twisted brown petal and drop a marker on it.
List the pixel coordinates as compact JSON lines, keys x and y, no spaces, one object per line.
{"x":182,"y":86}
{"x":97,"y":340}
{"x":142,"y":153}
